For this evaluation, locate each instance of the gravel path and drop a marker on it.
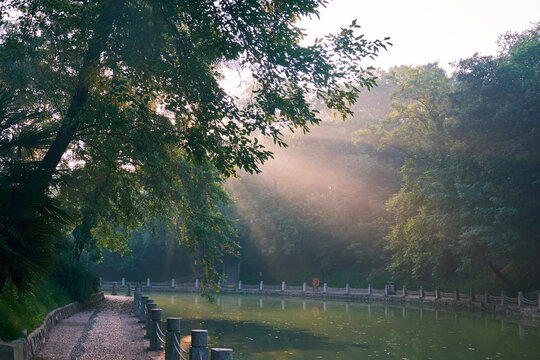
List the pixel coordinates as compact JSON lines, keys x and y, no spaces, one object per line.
{"x":108,"y":331}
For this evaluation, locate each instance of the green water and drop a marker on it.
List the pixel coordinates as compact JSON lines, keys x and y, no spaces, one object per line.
{"x":292,"y":328}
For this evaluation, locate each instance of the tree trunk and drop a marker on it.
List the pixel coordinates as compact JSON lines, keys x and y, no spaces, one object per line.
{"x":71,"y":123}
{"x":499,"y":275}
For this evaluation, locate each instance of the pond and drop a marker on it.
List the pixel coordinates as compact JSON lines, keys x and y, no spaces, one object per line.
{"x":292,"y":328}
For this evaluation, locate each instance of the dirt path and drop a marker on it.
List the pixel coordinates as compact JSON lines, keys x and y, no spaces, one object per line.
{"x":108,"y":331}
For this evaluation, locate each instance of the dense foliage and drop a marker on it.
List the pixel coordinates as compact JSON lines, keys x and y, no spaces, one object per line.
{"x":471,"y":152}
{"x":138,"y":124}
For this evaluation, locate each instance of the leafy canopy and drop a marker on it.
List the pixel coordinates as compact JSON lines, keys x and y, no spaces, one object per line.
{"x":129,"y":88}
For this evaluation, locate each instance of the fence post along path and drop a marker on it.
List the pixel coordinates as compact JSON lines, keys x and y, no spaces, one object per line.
{"x":149,"y":307}
{"x":199,"y":345}
{"x":220,"y":354}
{"x":172,"y":351}
{"x":142,"y":313}
{"x":156,"y":335}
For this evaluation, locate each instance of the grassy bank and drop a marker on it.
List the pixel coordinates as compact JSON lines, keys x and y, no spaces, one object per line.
{"x":71,"y":281}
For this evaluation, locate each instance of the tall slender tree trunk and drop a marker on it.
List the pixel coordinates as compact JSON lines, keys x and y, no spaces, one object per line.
{"x":71,"y":123}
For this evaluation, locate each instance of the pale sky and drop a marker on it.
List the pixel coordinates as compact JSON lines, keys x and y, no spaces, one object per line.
{"x":425,"y":31}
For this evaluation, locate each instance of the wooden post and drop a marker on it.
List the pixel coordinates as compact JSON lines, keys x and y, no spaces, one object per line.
{"x":196,"y":283}
{"x":304,"y":287}
{"x":520,"y":299}
{"x":220,"y":354}
{"x":325,"y":288}
{"x":538,"y":301}
{"x":261,"y":286}
{"x":155,"y":317}
{"x":457,"y":294}
{"x":347,"y":289}
{"x":100,"y":281}
{"x":473,"y":298}
{"x":283,"y":286}
{"x":437,"y":293}
{"x":386,"y":290}
{"x":114,"y":291}
{"x":421,"y":291}
{"x":172,"y":282}
{"x":503,"y":298}
{"x":369,"y":290}
{"x":148,"y":282}
{"x":404,"y":291}
{"x":486,"y":297}
{"x":149,"y":307}
{"x":123,"y":281}
{"x":239,"y":284}
{"x":199,"y":345}
{"x":219,"y":284}
{"x":173,"y":334}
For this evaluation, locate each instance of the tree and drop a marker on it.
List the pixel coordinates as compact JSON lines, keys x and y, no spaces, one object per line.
{"x":29,"y":218}
{"x":470,"y":172}
{"x":139,"y":79}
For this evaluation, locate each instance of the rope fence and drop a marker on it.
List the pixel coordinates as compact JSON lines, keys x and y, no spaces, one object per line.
{"x":169,"y":339}
{"x":323,"y":289}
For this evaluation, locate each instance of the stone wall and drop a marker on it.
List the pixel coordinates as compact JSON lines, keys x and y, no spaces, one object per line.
{"x":25,"y":348}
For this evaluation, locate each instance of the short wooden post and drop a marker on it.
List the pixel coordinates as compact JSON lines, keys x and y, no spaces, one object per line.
{"x":304,"y":285}
{"x":149,"y":307}
{"x":404,"y":291}
{"x":123,"y":281}
{"x":347,"y":289}
{"x":473,"y":298}
{"x":172,"y":282}
{"x":385,"y":290}
{"x":196,"y":283}
{"x":128,"y":290}
{"x":457,"y":295}
{"x":437,"y":293}
{"x":155,"y":343}
{"x":142,"y":313}
{"x":369,"y":290}
{"x":219,"y":284}
{"x":325,"y":288}
{"x":503,"y":298}
{"x":199,"y":345}
{"x":114,"y":290}
{"x":239,"y":284}
{"x":148,"y":282}
{"x":521,"y":303}
{"x":220,"y":354}
{"x":283,"y":286}
{"x":486,"y":297}
{"x":100,"y":281}
{"x":421,"y":291}
{"x":261,"y":286}
{"x":173,"y":335}
{"x":538,"y":301}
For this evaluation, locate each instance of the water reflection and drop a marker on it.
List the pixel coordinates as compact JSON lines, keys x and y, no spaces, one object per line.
{"x":278,"y":328}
